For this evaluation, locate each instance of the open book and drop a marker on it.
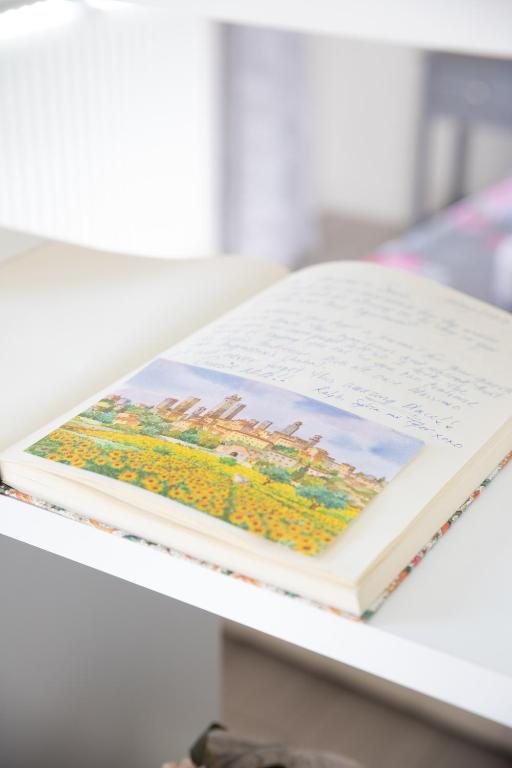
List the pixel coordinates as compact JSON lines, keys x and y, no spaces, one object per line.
{"x":315,"y":437}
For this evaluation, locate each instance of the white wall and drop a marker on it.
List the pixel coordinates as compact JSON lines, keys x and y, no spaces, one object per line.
{"x":364,"y":99}
{"x":107,"y":128}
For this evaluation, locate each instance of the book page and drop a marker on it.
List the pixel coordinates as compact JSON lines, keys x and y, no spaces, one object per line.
{"x":388,"y":346}
{"x":74,"y":320}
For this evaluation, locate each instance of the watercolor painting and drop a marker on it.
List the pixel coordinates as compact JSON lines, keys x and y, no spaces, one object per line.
{"x":280,"y":465}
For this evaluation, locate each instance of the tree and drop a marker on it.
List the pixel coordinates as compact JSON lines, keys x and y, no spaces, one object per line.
{"x":288,"y":450}
{"x":151,"y":430}
{"x":299,"y":473}
{"x":152,"y":424}
{"x":138,"y":410}
{"x":319,"y":495}
{"x":273,"y":473}
{"x":105,"y":417}
{"x":190,"y":436}
{"x":207,"y":440}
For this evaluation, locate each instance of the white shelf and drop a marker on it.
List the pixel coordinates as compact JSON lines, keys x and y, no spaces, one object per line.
{"x":446,"y":632}
{"x":476,"y":28}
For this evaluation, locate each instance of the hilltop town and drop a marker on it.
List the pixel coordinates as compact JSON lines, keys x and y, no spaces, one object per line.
{"x":225,"y":432}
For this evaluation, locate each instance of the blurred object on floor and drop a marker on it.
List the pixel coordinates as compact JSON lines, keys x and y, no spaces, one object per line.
{"x":266,"y":213}
{"x":219,"y":747}
{"x":469,"y":90}
{"x":275,"y":691}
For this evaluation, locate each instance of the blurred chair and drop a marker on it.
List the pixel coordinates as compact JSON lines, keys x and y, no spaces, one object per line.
{"x":469,"y":90}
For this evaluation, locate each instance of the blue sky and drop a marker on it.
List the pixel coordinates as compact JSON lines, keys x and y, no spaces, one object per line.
{"x":369,"y":446}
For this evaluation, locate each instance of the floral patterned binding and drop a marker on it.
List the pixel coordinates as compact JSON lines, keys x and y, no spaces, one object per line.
{"x":416,"y":560}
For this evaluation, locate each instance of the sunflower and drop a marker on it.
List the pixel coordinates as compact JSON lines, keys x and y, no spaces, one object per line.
{"x":128,"y":476}
{"x":152,"y":484}
{"x":306,"y":545}
{"x":257,"y":528}
{"x":136,"y":460}
{"x":77,"y":461}
{"x":277,"y":534}
{"x":83,"y":449}
{"x":57,"y":435}
{"x":293,"y":528}
{"x":237,"y":518}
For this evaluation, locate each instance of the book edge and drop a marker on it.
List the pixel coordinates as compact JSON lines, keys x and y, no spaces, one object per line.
{"x":367,"y":615}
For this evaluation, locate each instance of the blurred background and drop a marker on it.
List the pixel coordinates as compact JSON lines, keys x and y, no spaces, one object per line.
{"x":144,"y":130}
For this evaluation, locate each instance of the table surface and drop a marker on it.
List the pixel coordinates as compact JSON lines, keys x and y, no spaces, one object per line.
{"x":446,"y":632}
{"x":451,"y":25}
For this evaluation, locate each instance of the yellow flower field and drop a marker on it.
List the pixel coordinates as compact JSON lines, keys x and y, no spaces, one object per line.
{"x":235,"y":493}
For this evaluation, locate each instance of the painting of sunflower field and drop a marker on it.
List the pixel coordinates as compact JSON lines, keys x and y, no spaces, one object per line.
{"x":277,"y":464}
